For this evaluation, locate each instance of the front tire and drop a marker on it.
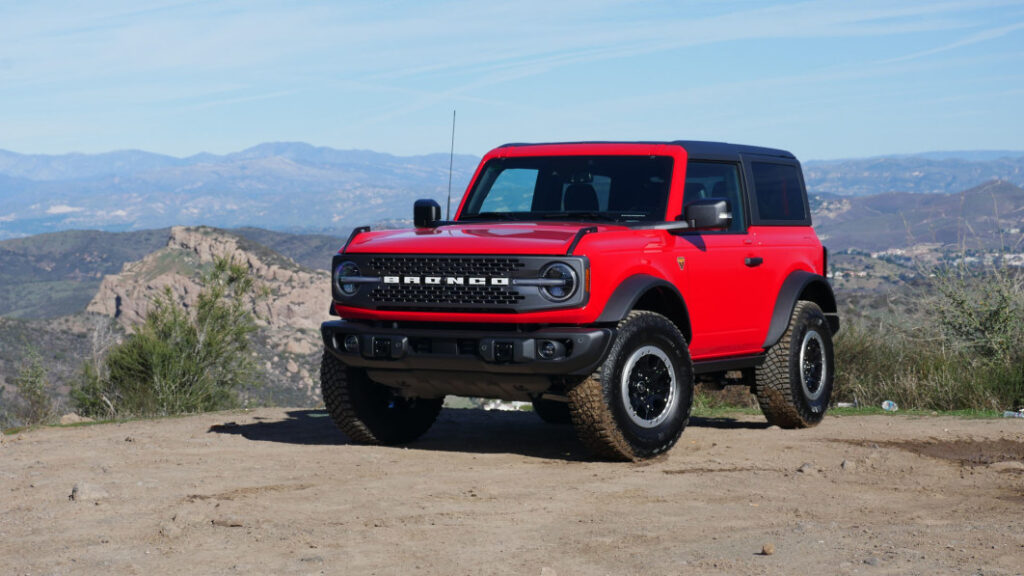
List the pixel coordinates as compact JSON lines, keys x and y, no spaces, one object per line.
{"x":794,"y":384}
{"x":638,"y":402}
{"x":370,"y":413}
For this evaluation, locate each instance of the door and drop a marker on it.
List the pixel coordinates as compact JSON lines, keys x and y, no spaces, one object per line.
{"x":724,"y":267}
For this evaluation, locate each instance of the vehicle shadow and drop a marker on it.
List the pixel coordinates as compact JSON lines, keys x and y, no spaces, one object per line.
{"x":456,"y":430}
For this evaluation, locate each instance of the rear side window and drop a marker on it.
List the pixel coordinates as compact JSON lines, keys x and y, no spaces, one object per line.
{"x":780,"y":197}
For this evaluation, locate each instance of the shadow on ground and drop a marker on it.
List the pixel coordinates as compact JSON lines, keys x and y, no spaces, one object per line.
{"x":466,"y":430}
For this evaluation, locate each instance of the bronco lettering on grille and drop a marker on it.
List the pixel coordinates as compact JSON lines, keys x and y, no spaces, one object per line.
{"x":446,"y":280}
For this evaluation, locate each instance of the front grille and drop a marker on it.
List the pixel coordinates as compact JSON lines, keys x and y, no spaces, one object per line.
{"x":445,"y":266}
{"x":423,"y":295}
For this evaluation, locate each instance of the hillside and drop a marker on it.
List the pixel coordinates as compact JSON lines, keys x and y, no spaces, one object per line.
{"x":51,"y":275}
{"x":987,"y":217}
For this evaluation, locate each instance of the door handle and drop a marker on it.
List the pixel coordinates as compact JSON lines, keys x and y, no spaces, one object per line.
{"x":753,"y":262}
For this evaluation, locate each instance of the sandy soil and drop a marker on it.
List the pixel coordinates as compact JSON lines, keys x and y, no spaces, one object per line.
{"x":276,"y":491}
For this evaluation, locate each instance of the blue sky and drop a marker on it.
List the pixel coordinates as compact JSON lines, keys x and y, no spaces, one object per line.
{"x":826,"y":79}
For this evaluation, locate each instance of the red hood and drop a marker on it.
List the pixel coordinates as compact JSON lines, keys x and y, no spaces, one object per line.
{"x":476,"y":238}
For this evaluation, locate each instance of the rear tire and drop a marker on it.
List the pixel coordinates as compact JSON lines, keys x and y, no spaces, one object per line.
{"x":370,"y":413}
{"x":794,"y":384}
{"x":638,"y":402}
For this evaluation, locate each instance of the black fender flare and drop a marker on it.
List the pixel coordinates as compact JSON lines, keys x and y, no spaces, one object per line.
{"x":798,"y":284}
{"x":626,"y":296}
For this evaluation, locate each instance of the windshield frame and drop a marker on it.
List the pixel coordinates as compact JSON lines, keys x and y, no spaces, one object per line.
{"x":658,"y":181}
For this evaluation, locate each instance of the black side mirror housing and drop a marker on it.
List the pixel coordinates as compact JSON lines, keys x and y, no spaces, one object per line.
{"x":426,"y":213}
{"x":708,"y":214}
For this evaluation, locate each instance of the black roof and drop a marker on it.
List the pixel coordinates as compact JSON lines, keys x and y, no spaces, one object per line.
{"x":694,"y":148}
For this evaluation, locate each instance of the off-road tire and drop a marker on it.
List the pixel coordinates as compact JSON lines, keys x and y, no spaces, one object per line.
{"x":603,"y":408}
{"x":370,"y":413}
{"x":552,"y":412}
{"x":779,"y":382}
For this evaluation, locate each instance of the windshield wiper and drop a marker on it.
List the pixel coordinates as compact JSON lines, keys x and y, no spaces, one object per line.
{"x":492,"y":216}
{"x":582,"y":216}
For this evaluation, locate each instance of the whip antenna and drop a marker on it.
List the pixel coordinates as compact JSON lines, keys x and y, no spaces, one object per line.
{"x":451,"y":161}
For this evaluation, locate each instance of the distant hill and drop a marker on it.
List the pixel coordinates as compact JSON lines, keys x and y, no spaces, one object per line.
{"x":930,"y":173}
{"x":986,"y":217}
{"x":279,"y":186}
{"x":297,"y":187}
{"x":56,"y":274}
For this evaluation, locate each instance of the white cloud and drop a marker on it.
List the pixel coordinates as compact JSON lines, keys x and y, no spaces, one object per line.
{"x":63,"y":209}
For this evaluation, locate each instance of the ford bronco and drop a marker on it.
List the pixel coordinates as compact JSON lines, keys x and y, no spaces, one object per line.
{"x":598,"y":280}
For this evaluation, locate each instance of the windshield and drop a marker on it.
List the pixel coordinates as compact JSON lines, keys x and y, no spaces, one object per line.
{"x":576,"y":188}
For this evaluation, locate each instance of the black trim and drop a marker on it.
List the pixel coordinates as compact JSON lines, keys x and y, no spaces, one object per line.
{"x":694,"y":148}
{"x":461,"y":350}
{"x":352,"y":237}
{"x":794,"y":286}
{"x":579,"y":236}
{"x":727,"y":364}
{"x":625,"y":297}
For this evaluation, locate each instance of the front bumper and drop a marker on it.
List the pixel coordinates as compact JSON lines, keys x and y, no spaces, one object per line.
{"x":577,"y":351}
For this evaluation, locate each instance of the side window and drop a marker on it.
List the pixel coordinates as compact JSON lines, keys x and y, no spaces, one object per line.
{"x":780,"y":197}
{"x":716,"y":180}
{"x":512,"y":191}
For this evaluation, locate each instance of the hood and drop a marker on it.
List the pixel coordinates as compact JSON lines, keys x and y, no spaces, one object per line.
{"x":476,"y":238}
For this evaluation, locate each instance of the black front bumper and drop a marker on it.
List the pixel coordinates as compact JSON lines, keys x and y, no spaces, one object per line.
{"x":577,"y":351}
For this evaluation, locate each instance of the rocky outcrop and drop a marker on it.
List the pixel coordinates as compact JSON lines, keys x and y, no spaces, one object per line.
{"x":289,"y":317}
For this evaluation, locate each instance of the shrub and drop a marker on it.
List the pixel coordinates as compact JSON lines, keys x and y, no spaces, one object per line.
{"x":36,"y":406}
{"x":967,"y":352}
{"x":179,"y":360}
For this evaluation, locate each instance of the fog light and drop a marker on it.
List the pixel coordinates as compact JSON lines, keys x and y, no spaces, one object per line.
{"x":547,"y":349}
{"x":352,"y":343}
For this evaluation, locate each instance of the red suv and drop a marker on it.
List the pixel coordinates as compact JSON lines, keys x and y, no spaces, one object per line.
{"x":597,"y":280}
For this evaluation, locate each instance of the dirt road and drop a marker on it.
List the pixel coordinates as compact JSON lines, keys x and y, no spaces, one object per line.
{"x":277,"y":491}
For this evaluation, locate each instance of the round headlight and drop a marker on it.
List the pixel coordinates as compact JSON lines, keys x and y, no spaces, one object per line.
{"x":563,"y":272}
{"x":346,"y":268}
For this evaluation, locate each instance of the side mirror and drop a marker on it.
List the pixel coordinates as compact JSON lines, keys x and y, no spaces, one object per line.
{"x":426,"y":213}
{"x":707,"y":214}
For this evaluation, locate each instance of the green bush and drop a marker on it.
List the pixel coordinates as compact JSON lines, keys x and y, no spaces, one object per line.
{"x":179,"y":360}
{"x":35,"y":406}
{"x":965,"y":352}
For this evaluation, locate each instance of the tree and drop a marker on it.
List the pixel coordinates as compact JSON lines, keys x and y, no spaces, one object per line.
{"x":179,"y":359}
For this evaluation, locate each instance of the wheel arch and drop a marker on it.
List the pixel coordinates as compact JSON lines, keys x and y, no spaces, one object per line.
{"x":801,"y":285}
{"x":646,"y":292}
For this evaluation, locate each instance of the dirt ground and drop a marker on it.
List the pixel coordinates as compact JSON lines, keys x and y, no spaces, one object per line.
{"x":277,"y":491}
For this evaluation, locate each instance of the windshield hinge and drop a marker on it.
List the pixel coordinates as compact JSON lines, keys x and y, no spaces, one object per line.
{"x":579,"y":236}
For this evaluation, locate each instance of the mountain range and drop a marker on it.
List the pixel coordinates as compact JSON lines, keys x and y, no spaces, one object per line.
{"x":297,"y":187}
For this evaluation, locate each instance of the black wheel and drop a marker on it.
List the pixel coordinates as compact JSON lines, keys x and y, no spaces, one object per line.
{"x":552,"y":412}
{"x":638,"y":402}
{"x":369,"y":413}
{"x":794,"y":384}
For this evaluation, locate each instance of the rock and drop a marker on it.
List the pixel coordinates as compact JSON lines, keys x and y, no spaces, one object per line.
{"x":227,"y":522}
{"x":83,"y":491}
{"x":72,"y":418}
{"x":774,"y":427}
{"x":848,"y":465}
{"x":768,"y":549}
{"x":292,"y":367}
{"x":871,"y":561}
{"x":806,"y":468}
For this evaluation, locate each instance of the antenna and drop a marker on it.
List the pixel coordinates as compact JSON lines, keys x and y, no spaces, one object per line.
{"x":451,"y":161}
